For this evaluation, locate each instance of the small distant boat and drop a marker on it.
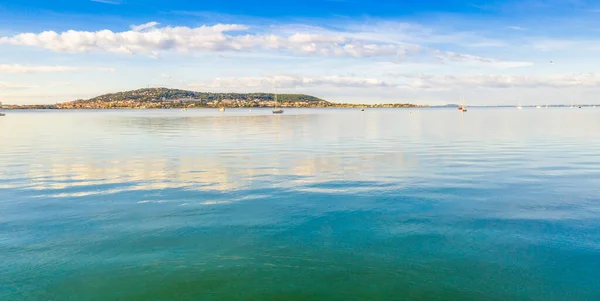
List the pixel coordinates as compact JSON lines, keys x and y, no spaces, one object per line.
{"x":220,"y":103}
{"x":362,"y":109}
{"x":520,"y":107}
{"x":538,"y":107}
{"x":546,"y":106}
{"x":462,"y":108}
{"x":277,"y":110}
{"x":1,"y":114}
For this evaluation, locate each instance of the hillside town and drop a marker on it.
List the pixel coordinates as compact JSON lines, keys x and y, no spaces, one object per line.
{"x":164,"y":98}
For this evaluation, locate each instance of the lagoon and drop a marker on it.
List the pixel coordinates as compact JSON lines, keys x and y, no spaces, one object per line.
{"x":314,"y":204}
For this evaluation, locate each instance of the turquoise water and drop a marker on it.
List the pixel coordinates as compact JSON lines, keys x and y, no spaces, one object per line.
{"x":310,"y":205}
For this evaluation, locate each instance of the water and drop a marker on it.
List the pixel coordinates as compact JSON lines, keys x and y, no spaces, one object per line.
{"x":310,"y":205}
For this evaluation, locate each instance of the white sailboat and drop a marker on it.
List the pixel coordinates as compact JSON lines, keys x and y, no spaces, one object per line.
{"x":462,"y":107}
{"x":277,"y":110}
{"x":221,"y":107}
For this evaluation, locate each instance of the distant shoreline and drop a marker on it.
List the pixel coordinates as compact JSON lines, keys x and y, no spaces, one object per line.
{"x":54,"y":107}
{"x":333,"y":106}
{"x":164,"y":98}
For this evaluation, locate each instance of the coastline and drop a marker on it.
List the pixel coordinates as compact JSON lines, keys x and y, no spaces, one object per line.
{"x":165,"y":98}
{"x":169,"y":105}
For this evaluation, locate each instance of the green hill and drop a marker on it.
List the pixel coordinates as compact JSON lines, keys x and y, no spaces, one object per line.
{"x":175,"y":98}
{"x":163,"y":97}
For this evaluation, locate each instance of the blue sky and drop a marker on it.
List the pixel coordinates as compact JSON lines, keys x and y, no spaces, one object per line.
{"x":429,"y":52}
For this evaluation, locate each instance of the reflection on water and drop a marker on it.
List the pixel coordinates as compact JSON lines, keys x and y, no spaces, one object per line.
{"x":312,"y":204}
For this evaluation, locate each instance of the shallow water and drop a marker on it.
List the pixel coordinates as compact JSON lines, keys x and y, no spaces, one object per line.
{"x":313,"y":204}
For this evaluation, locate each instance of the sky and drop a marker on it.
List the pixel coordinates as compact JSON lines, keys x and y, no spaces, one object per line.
{"x":528,"y":52}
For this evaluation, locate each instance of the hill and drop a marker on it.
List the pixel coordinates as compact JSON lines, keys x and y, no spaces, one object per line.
{"x":175,"y":98}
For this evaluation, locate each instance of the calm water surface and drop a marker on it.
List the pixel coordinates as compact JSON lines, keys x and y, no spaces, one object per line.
{"x":310,"y":205}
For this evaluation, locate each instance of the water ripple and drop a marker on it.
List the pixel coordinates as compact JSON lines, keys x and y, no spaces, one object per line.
{"x":381,"y":203}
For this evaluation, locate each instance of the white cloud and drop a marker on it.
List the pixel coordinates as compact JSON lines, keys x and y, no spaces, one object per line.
{"x":412,"y":33}
{"x":16,"y":68}
{"x":561,"y":45}
{"x":9,"y":86}
{"x":60,"y":84}
{"x":144,"y":26}
{"x":293,"y":82}
{"x":442,"y":82}
{"x":114,"y":2}
{"x":409,"y":81}
{"x":519,"y":28}
{"x":553,"y":45}
{"x":151,"y":40}
{"x":450,"y":56}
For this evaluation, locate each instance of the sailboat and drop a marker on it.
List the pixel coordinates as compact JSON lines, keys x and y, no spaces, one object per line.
{"x":277,"y":110}
{"x":221,"y":108}
{"x":462,"y":107}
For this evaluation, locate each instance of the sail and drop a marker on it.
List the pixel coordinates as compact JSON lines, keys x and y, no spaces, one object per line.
{"x":277,"y":110}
